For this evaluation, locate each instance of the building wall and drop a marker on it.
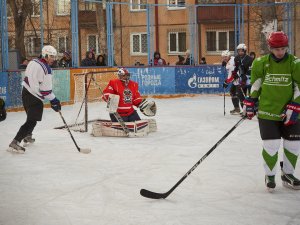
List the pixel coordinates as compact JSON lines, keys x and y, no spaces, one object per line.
{"x":128,"y":22}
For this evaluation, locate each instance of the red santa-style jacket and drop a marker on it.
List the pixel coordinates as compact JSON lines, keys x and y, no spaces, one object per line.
{"x":129,"y":95}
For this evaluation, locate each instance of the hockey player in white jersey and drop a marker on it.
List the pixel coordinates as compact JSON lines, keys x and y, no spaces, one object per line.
{"x":232,"y":77}
{"x":37,"y":87}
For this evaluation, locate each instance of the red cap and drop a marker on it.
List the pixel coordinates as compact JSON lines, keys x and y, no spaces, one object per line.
{"x":278,"y":39}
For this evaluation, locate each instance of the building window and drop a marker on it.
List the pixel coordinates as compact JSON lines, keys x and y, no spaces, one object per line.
{"x":63,"y":43}
{"x":34,"y":46}
{"x":89,"y":6}
{"x":35,"y":8}
{"x":93,"y":44}
{"x":138,"y":43}
{"x":176,"y":4}
{"x":138,"y":5}
{"x":217,"y":41}
{"x":177,"y":42}
{"x":63,"y":7}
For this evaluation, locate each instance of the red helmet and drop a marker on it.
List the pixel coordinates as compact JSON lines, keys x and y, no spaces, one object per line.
{"x":278,"y":39}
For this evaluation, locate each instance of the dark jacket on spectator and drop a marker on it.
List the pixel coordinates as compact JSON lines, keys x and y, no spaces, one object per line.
{"x":88,"y":61}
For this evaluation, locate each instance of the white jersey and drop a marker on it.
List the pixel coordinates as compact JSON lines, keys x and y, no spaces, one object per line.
{"x":230,"y":68}
{"x":38,"y":79}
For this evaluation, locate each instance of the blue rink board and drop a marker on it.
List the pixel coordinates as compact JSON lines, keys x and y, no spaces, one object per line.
{"x":154,"y":80}
{"x":207,"y":79}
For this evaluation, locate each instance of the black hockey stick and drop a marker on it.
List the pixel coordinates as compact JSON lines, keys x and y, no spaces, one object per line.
{"x":224,"y":93}
{"x":82,"y":150}
{"x":154,"y":195}
{"x":224,"y":102}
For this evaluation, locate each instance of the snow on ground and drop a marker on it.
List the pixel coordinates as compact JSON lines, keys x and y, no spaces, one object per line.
{"x":53,"y":184}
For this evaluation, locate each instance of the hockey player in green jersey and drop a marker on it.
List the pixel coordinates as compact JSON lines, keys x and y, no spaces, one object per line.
{"x":275,"y":80}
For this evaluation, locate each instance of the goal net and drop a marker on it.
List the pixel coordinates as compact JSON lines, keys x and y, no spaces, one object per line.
{"x":88,"y":105}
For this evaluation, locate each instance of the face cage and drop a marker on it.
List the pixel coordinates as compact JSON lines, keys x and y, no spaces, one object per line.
{"x":125,"y":77}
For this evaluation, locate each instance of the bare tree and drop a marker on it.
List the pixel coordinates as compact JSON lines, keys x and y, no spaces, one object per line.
{"x":264,"y":20}
{"x":20,"y":9}
{"x":101,"y":26}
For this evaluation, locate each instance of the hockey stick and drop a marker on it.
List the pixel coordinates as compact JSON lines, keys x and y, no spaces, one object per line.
{"x":149,"y":194}
{"x":224,"y":101}
{"x":82,"y":150}
{"x":224,"y":93}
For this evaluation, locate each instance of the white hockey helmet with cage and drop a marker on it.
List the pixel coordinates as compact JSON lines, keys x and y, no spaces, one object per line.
{"x":123,"y":74}
{"x":48,"y":50}
{"x":225,"y":53}
{"x":242,"y":46}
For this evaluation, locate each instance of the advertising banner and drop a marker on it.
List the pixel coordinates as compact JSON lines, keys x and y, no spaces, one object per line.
{"x":3,"y":85}
{"x":154,"y":80}
{"x":206,"y":79}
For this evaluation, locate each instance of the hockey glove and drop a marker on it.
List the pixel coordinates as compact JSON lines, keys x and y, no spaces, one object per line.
{"x":55,"y":105}
{"x":235,"y":75}
{"x":290,"y":114}
{"x":148,"y":108}
{"x":250,"y":107}
{"x":2,"y":110}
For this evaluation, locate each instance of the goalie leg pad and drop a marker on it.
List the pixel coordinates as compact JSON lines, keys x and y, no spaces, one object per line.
{"x":152,"y":125}
{"x":114,"y":129}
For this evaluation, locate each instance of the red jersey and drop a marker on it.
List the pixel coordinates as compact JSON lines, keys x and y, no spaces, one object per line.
{"x":129,"y":95}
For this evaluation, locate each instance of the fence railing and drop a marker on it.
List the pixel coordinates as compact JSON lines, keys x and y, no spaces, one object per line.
{"x":129,"y":34}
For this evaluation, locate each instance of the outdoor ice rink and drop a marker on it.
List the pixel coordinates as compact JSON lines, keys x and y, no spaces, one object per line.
{"x":53,"y":184}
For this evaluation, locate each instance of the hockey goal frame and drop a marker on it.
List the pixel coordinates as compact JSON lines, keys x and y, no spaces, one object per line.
{"x":102,"y":78}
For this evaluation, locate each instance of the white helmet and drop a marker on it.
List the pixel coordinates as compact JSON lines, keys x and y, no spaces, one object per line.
{"x":225,"y":53}
{"x":242,"y":46}
{"x":48,"y":50}
{"x":123,"y":74}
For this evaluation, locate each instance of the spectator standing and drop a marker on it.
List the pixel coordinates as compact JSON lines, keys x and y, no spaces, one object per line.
{"x":180,"y":60}
{"x":89,"y":60}
{"x":100,"y":61}
{"x":158,"y":61}
{"x":24,"y":63}
{"x":203,"y":60}
{"x":188,"y":59}
{"x":66,"y":60}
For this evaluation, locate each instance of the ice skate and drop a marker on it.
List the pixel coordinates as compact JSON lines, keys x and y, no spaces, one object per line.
{"x":28,"y":140}
{"x":288,"y":180}
{"x":270,"y":183}
{"x":15,"y":146}
{"x":235,"y":111}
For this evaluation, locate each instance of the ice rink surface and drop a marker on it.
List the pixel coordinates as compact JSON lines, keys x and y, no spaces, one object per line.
{"x":53,"y":184}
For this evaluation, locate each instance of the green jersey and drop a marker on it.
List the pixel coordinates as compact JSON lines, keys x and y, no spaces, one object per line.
{"x":275,"y":84}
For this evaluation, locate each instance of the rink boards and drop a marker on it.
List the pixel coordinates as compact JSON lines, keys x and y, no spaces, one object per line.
{"x":155,"y":81}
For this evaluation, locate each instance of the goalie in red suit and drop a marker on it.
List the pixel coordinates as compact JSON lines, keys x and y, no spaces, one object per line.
{"x":129,"y":97}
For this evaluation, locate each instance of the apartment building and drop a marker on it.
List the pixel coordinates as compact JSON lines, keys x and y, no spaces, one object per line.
{"x":174,"y":25}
